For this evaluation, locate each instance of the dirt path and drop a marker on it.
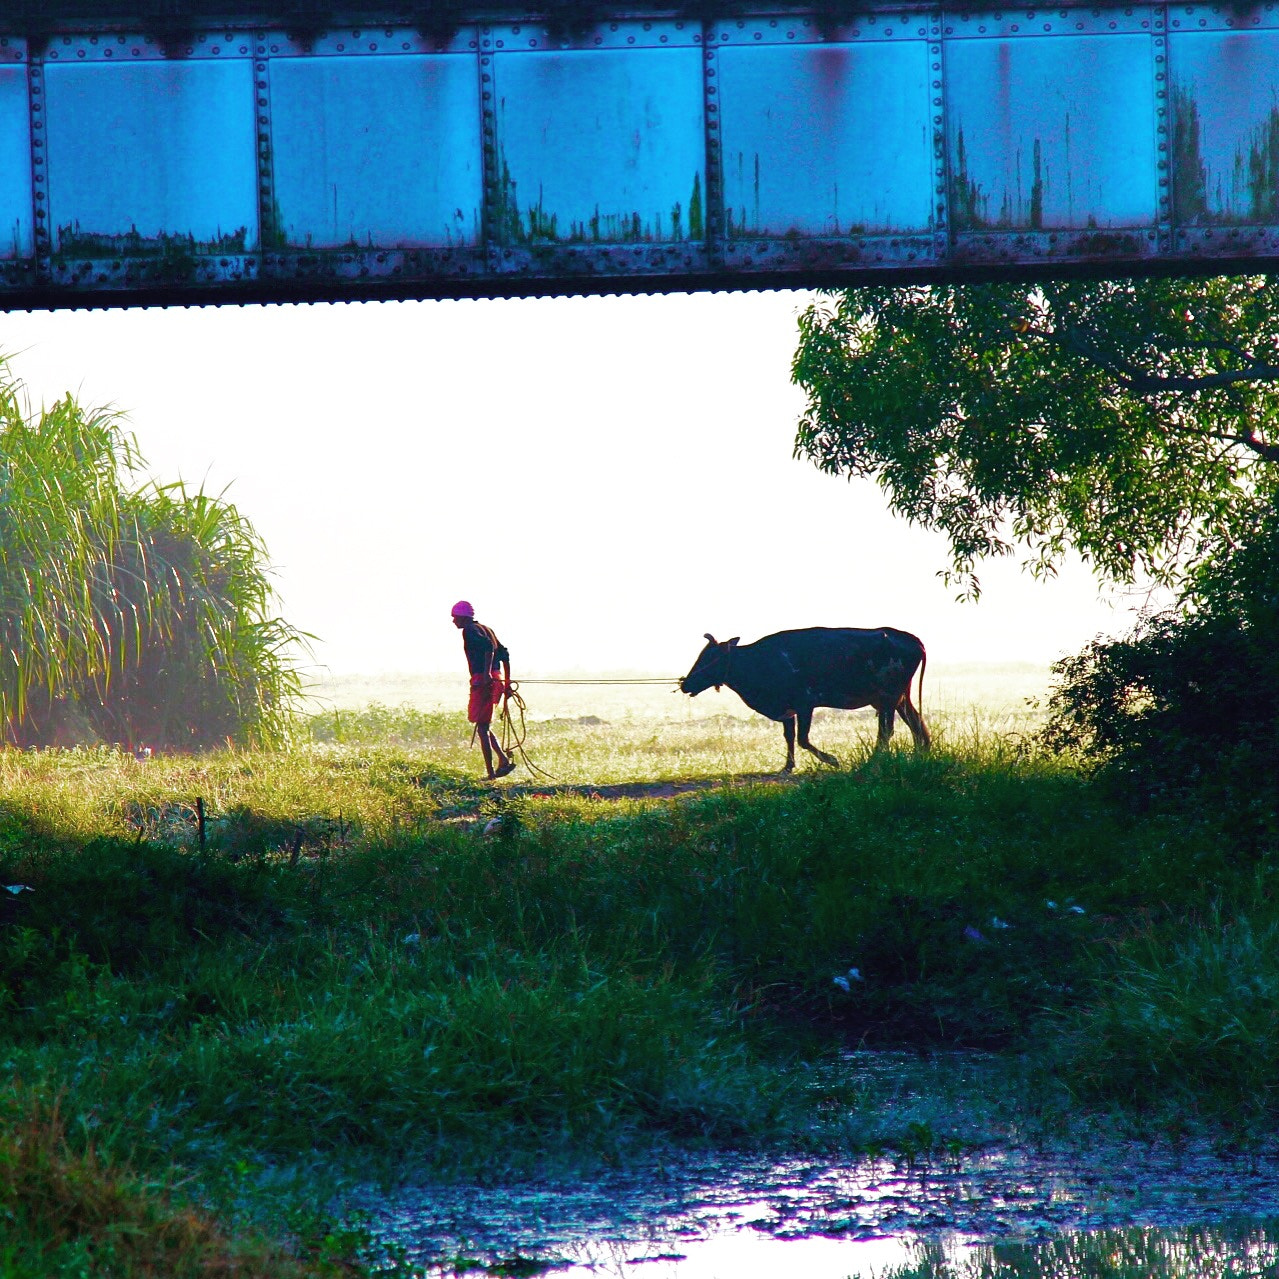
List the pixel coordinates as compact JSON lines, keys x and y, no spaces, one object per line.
{"x":648,"y":790}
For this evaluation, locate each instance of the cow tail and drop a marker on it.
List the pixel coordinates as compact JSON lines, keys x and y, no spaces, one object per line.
{"x":923,"y":666}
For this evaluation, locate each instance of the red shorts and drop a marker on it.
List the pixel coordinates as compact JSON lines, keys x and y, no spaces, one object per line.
{"x":486,"y":692}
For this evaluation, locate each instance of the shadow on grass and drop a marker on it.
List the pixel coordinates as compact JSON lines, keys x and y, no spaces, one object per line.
{"x":649,"y":790}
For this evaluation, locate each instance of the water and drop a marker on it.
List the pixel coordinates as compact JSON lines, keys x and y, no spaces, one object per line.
{"x":702,"y":1219}
{"x":1163,"y":1209}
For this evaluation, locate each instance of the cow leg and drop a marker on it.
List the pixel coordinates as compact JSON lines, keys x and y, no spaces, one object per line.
{"x":788,"y":727}
{"x":805,"y":718}
{"x":915,"y":722}
{"x":886,"y":714}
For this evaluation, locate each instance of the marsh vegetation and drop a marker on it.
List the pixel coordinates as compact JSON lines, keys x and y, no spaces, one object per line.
{"x":359,"y":963}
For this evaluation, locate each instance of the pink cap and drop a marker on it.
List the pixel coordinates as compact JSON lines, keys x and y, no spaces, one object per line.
{"x":463,"y":609}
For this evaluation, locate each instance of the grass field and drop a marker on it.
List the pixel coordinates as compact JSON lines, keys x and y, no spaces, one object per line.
{"x":367,"y":960}
{"x":990,"y":690}
{"x":611,"y":733}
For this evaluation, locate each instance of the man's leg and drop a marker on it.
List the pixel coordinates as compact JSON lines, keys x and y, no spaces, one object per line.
{"x":505,"y":763}
{"x":487,"y":742}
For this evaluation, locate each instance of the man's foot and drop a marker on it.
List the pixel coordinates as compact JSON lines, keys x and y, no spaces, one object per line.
{"x":507,"y":768}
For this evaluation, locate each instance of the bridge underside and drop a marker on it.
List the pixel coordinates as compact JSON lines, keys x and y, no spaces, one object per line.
{"x":273,"y":153}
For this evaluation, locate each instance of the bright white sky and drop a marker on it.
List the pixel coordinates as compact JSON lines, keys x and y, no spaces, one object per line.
{"x":604,"y":478}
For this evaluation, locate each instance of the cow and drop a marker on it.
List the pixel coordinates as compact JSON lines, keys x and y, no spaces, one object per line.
{"x":784,"y":676}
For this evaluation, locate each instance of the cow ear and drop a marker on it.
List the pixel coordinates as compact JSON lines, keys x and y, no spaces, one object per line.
{"x":733,"y":642}
{"x":711,"y":637}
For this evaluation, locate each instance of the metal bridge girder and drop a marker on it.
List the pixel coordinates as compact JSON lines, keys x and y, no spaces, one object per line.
{"x":147,"y":158}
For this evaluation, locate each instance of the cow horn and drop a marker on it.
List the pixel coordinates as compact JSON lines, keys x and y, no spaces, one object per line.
{"x":711,"y":637}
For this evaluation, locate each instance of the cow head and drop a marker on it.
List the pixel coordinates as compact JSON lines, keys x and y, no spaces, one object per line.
{"x":711,"y":666}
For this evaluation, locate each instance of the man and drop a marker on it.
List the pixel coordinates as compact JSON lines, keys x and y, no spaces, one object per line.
{"x":484,"y":654}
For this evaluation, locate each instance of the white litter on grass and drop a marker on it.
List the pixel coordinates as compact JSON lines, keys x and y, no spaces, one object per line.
{"x":845,"y":983}
{"x":15,"y":889}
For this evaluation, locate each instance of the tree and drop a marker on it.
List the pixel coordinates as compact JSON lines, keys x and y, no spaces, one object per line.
{"x":1135,"y":421}
{"x":129,"y":611}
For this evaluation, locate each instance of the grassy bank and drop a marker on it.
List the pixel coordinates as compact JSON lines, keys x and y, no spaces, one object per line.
{"x":369,"y":962}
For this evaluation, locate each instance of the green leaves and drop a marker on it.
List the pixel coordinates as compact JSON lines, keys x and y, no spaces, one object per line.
{"x":129,"y":611}
{"x":1133,"y":421}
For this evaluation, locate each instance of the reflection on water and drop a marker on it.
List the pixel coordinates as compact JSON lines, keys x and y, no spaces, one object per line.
{"x":742,"y":1255}
{"x":1242,"y":1250}
{"x":1123,"y":1210}
{"x":1100,"y":1208}
{"x":1231,"y":1250}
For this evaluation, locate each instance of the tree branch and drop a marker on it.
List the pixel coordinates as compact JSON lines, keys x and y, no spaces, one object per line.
{"x":1131,"y":377}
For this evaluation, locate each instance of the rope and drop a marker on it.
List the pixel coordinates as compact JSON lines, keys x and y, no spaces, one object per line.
{"x":673,"y":680}
{"x":512,"y":740}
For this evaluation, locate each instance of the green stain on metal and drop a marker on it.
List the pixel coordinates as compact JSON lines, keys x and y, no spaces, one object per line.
{"x":272,"y":236}
{"x":1037,"y":192}
{"x":533,"y":224}
{"x":970,"y":205}
{"x":271,"y":233}
{"x":177,"y":257}
{"x":1189,"y":173}
{"x":696,"y":221}
{"x":1263,"y":170}
{"x":1249,"y":193}
{"x":967,"y":203}
{"x":506,"y":210}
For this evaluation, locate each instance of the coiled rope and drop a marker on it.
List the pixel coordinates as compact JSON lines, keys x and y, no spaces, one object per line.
{"x":512,"y":739}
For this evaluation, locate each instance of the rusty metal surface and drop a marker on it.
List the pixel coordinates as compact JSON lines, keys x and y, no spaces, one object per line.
{"x":186,"y":125}
{"x":601,"y":142}
{"x":825,"y":138}
{"x":286,"y":154}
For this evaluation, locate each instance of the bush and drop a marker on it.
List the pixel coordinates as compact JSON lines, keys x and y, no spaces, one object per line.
{"x":1188,"y":706}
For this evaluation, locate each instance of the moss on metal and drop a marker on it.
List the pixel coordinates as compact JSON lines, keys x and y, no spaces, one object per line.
{"x":174,"y":258}
{"x":1189,"y":173}
{"x":967,"y":202}
{"x":1263,"y":169}
{"x":1248,"y":193}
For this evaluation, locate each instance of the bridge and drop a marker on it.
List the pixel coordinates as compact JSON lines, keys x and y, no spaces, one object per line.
{"x":182,"y":151}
